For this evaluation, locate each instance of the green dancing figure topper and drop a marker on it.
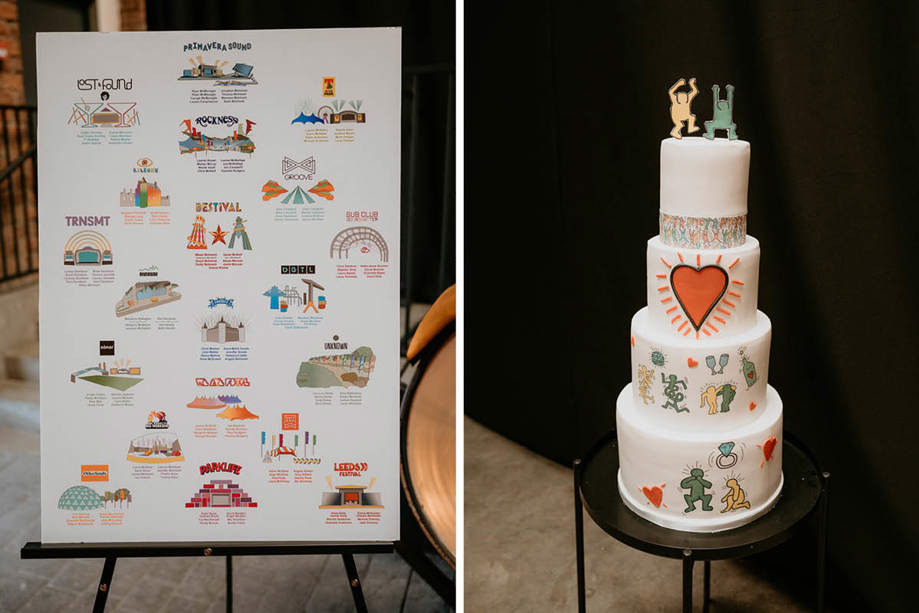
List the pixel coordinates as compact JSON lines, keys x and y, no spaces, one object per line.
{"x":722,"y":115}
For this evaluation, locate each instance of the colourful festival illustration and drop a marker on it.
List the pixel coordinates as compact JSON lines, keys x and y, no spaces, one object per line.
{"x":342,"y":370}
{"x":196,"y":141}
{"x":234,"y":409}
{"x":239,"y":236}
{"x":273,"y":450}
{"x":145,"y":295}
{"x":121,"y":375}
{"x":351,"y":497}
{"x":84,"y":498}
{"x":364,"y":238}
{"x":240,"y":74}
{"x":104,"y":114}
{"x":88,"y":248}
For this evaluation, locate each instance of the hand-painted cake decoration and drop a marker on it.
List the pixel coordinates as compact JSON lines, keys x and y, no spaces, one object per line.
{"x":679,"y":108}
{"x":748,"y":369}
{"x":735,"y":498}
{"x":768,"y":448}
{"x":654,"y":494}
{"x":704,"y":293}
{"x":673,"y":393}
{"x":724,"y":456}
{"x":645,"y":379}
{"x":722,"y":362}
{"x":696,"y":484}
{"x":722,"y":115}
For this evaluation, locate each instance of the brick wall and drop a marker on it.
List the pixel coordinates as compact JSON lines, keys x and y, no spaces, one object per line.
{"x":133,"y":15}
{"x":12,"y":90}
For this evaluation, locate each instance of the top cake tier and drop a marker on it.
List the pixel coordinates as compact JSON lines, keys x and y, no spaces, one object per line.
{"x":704,"y":192}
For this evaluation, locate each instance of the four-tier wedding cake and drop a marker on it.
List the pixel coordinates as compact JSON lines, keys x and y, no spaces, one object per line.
{"x":700,"y":430}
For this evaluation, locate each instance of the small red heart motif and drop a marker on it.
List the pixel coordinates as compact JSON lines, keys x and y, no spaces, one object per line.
{"x":633,"y":341}
{"x":769,"y":447}
{"x":692,"y":363}
{"x":750,"y":374}
{"x":698,"y":290}
{"x":752,"y":405}
{"x":654,"y":494}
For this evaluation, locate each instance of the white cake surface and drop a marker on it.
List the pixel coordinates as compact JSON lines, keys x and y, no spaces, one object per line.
{"x":732,"y":311}
{"x":699,"y":428}
{"x":655,"y":464}
{"x":704,"y":178}
{"x":722,"y":379}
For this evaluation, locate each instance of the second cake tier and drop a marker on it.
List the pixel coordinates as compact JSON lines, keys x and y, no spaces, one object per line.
{"x":711,"y":384}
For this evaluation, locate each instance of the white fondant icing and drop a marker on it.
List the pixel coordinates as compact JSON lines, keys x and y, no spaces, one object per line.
{"x":701,"y":380}
{"x":704,"y":178}
{"x":734,"y":313}
{"x":654,"y":457}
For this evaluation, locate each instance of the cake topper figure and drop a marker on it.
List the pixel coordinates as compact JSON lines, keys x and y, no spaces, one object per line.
{"x":679,"y":108}
{"x":722,"y":115}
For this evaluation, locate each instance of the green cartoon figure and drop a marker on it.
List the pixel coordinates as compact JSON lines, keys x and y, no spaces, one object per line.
{"x":696,"y":486}
{"x":727,"y":393}
{"x":722,"y":115}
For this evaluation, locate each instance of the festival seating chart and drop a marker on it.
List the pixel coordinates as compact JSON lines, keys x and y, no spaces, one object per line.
{"x":219,"y":218}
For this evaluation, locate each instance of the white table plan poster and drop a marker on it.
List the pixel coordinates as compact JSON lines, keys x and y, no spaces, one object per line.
{"x":219,"y":235}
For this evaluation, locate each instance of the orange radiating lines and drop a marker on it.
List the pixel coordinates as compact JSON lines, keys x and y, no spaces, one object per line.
{"x":698,"y":260}
{"x":720,"y":310}
{"x":707,"y":333}
{"x":719,"y":319}
{"x":718,"y":261}
{"x":671,"y":309}
{"x":688,"y":330}
{"x":729,"y":303}
{"x":663,"y":288}
{"x":709,"y":324}
{"x":667,"y":299}
{"x":735,"y":294}
{"x":679,"y":255}
{"x":676,"y":319}
{"x":661,"y":276}
{"x":736,"y":282}
{"x":665,"y":262}
{"x":734,"y":262}
{"x":683,"y":325}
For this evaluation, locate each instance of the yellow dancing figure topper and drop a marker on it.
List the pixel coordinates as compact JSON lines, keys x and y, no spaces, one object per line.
{"x":679,"y":108}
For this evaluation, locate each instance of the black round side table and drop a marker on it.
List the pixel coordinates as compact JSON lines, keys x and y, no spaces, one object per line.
{"x":595,"y":489}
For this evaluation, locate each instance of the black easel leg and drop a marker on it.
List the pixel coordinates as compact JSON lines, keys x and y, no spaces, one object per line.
{"x":229,"y":584}
{"x":356,"y":590}
{"x":105,"y":584}
{"x":687,"y":581}
{"x":707,"y":586}
{"x":579,"y":537}
{"x":821,"y":542}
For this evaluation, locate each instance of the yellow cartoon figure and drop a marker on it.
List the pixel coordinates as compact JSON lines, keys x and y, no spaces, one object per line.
{"x":710,"y":398}
{"x":645,"y":377}
{"x":735,"y":498}
{"x":679,"y":108}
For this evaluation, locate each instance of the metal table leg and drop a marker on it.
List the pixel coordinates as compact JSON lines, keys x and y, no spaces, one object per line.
{"x":105,"y":584}
{"x":687,"y":580}
{"x":707,"y":586}
{"x":821,"y":541}
{"x":229,"y":584}
{"x":579,"y":537}
{"x":356,"y":592}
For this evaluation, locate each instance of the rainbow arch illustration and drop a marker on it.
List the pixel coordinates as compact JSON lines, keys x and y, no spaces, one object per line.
{"x":87,"y":248}
{"x":346,"y":239}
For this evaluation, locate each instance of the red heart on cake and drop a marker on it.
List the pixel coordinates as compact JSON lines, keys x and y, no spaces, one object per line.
{"x":752,"y":405}
{"x":698,"y":290}
{"x":691,"y":362}
{"x":654,"y":494}
{"x":769,"y":447}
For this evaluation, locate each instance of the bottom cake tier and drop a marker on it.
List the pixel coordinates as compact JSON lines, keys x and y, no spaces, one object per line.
{"x":699,"y":481}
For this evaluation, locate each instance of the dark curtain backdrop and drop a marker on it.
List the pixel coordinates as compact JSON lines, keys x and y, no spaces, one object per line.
{"x":565,"y":109}
{"x":428,"y":40}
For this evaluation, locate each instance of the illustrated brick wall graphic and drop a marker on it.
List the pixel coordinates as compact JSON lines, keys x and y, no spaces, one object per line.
{"x":220,"y":493}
